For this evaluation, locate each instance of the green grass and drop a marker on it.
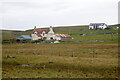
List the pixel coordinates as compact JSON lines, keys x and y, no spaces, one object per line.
{"x":68,"y":60}
{"x":73,"y":30}
{"x":107,"y":38}
{"x":75,"y":33}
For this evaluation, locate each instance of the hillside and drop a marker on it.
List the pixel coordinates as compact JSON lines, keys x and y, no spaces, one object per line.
{"x":74,"y":31}
{"x":8,"y":34}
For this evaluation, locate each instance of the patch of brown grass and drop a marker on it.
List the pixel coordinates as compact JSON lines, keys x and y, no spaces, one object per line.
{"x":61,"y":60}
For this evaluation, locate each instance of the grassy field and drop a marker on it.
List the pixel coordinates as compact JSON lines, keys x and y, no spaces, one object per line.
{"x":75,"y":58}
{"x":60,"y":61}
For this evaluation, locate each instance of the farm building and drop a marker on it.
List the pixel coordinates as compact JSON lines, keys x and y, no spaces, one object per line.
{"x":98,"y":26}
{"x":63,"y":36}
{"x":23,"y":38}
{"x":47,"y":34}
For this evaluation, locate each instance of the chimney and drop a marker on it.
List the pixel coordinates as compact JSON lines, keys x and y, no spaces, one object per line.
{"x":51,"y":30}
{"x":34,"y":29}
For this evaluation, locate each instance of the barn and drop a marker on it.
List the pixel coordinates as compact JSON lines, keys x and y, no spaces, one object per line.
{"x":98,"y":26}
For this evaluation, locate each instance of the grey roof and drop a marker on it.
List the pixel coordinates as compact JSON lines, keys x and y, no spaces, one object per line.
{"x":98,"y":24}
{"x":24,"y":37}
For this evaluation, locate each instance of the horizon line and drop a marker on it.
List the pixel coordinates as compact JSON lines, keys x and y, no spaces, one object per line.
{"x":49,"y":26}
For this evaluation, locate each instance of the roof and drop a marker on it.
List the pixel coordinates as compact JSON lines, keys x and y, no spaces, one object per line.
{"x":24,"y":37}
{"x":97,"y":24}
{"x":41,"y":30}
{"x":39,"y":35}
{"x":62,"y":35}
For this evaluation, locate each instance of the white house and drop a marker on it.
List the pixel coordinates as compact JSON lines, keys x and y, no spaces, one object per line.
{"x":98,"y":26}
{"x":39,"y":34}
{"x":51,"y":35}
{"x":47,"y":34}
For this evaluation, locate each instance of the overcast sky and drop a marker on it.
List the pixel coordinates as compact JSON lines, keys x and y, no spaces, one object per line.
{"x":25,"y":14}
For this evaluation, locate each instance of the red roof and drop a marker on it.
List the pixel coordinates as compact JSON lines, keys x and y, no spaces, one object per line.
{"x":41,"y":30}
{"x":62,"y":35}
{"x":39,"y":35}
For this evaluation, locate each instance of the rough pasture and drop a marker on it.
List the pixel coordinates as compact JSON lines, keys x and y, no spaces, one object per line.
{"x":60,"y":60}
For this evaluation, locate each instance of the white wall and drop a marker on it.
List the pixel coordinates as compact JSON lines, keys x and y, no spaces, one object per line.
{"x":90,"y":27}
{"x":53,"y":36}
{"x":100,"y":27}
{"x":35,"y":37}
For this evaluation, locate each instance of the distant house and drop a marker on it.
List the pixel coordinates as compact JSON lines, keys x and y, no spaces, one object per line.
{"x":98,"y":26}
{"x":23,"y":38}
{"x":47,"y":34}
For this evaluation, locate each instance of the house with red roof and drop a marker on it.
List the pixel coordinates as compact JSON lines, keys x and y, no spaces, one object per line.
{"x":48,"y":34}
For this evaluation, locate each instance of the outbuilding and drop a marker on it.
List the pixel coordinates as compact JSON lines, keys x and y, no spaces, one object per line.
{"x":23,"y":38}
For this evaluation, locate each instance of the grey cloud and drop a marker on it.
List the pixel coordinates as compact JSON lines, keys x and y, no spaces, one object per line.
{"x":24,"y":15}
{"x":55,"y":6}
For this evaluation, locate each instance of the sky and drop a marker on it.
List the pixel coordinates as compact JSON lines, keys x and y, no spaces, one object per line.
{"x":25,"y":14}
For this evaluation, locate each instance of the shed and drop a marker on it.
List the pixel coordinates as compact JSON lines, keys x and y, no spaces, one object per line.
{"x":23,"y":38}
